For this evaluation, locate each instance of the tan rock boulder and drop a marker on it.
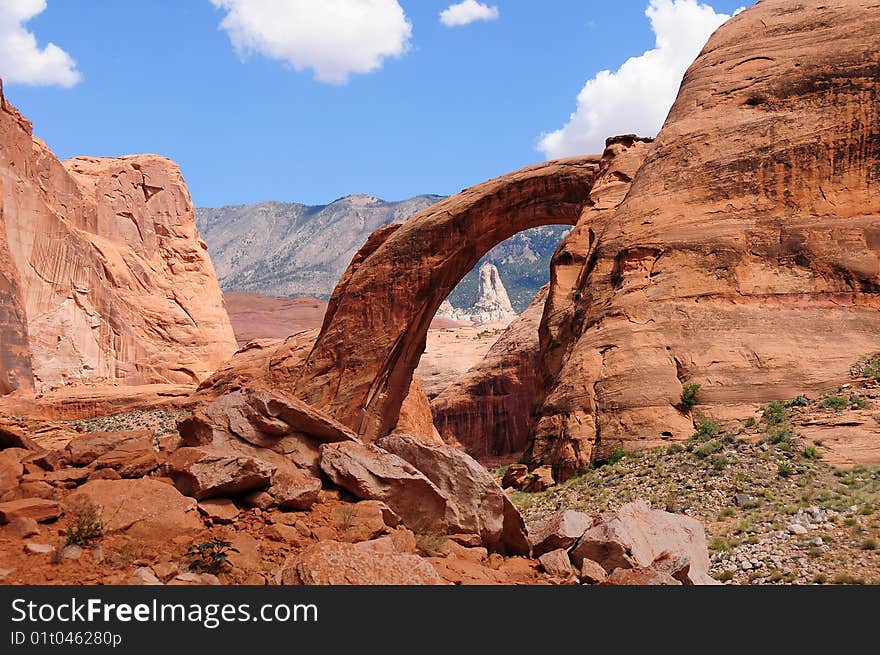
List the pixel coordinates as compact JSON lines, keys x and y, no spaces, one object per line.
{"x":476,"y":502}
{"x":144,"y":509}
{"x":371,"y":473}
{"x":38,"y":509}
{"x":132,"y":459}
{"x":10,"y":470}
{"x":560,"y":530}
{"x":208,"y":473}
{"x":636,"y":536}
{"x":336,"y":563}
{"x":86,"y":448}
{"x":294,"y":489}
{"x":557,"y":565}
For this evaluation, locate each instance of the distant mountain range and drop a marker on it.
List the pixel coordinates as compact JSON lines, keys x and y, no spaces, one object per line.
{"x":292,"y":250}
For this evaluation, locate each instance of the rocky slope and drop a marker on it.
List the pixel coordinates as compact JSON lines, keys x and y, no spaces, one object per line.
{"x":291,"y":250}
{"x":104,"y":276}
{"x":750,"y":230}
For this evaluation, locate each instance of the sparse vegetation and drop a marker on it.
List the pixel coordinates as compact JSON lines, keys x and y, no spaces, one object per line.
{"x":210,"y":556}
{"x":616,"y":456}
{"x":430,"y":543}
{"x":346,"y":516}
{"x":836,"y":403}
{"x":85,"y":526}
{"x":775,"y":414}
{"x":690,"y":395}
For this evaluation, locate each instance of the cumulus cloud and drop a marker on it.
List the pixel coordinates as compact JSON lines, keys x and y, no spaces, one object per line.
{"x":467,"y":12}
{"x":638,"y":96}
{"x":335,"y":38}
{"x":21,"y":58}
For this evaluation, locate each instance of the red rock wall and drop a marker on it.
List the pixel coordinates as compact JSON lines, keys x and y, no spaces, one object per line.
{"x":116,"y":285}
{"x":746,"y":255}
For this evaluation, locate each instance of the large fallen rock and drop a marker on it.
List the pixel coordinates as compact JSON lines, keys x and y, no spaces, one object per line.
{"x":145,"y":509}
{"x":371,"y":473}
{"x":38,"y":509}
{"x":477,"y":503}
{"x":104,"y":277}
{"x":638,"y":537}
{"x":336,"y":563}
{"x":560,"y":530}
{"x":10,"y":470}
{"x":86,"y":448}
{"x":251,"y":440}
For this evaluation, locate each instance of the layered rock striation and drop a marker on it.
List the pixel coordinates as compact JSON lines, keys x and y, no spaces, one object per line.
{"x":103,"y":275}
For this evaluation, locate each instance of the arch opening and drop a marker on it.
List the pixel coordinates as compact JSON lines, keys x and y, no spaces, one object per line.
{"x":375,"y":329}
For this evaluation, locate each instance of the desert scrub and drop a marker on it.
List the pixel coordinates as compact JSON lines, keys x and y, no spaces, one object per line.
{"x":871,"y":369}
{"x":85,"y":526}
{"x":690,"y":395}
{"x":210,"y":556}
{"x":706,"y":429}
{"x":345,"y":517}
{"x":775,"y":414}
{"x":785,"y":470}
{"x":836,"y":403}
{"x":431,"y":543}
{"x":616,"y":456}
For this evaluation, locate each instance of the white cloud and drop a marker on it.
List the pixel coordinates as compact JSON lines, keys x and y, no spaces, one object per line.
{"x":21,"y":58}
{"x":467,"y":12}
{"x":335,"y":38}
{"x":637,"y":97}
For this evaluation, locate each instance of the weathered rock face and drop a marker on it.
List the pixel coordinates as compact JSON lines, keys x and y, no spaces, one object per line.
{"x":106,"y":277}
{"x":492,"y":306}
{"x":489,"y":409}
{"x":374,"y":331}
{"x":750,"y":230}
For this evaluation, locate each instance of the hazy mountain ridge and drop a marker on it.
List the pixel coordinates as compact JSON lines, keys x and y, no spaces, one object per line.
{"x":291,"y":250}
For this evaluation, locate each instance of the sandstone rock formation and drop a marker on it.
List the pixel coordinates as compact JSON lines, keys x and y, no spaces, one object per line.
{"x":492,"y":306}
{"x":104,"y":277}
{"x":747,"y":232}
{"x":362,"y":364}
{"x":489,"y":409}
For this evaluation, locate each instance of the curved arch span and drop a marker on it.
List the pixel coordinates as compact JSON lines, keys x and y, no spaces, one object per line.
{"x":374,"y":332}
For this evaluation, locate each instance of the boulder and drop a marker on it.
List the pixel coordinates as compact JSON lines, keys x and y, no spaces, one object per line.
{"x":145,"y":509}
{"x":294,"y":489}
{"x":557,"y":565}
{"x":515,"y":476}
{"x":132,"y":459}
{"x":371,"y":473}
{"x":336,"y":563}
{"x":38,"y":509}
{"x":86,"y":448}
{"x":560,"y":530}
{"x":22,"y":527}
{"x":219,"y":510}
{"x":639,"y":577}
{"x":10,"y":470}
{"x":206,"y":473}
{"x":478,"y":504}
{"x":539,"y":480}
{"x":636,"y":536}
{"x":592,"y":572}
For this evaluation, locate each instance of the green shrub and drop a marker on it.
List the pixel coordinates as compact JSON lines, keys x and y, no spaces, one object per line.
{"x":707,"y":429}
{"x":775,"y":414}
{"x":719,"y":462}
{"x":810,"y":452}
{"x":872,"y":369}
{"x":709,"y":448}
{"x":210,"y":556}
{"x":858,"y":402}
{"x":750,"y":422}
{"x":85,"y":527}
{"x":785,"y":469}
{"x":869,"y":544}
{"x":837,"y":403}
{"x":690,"y":395}
{"x":616,"y":456}
{"x":780,"y":436}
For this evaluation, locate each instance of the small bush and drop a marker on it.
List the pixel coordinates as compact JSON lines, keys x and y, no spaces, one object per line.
{"x":836,"y":403}
{"x":210,"y":556}
{"x":780,"y":436}
{"x":872,"y":369}
{"x":858,"y":402}
{"x":810,"y":452}
{"x":846,"y":578}
{"x":724,"y":576}
{"x":616,"y":456}
{"x":707,"y":429}
{"x":85,"y":527}
{"x":719,"y":462}
{"x":785,"y":470}
{"x":800,"y":401}
{"x":869,"y":544}
{"x":820,"y":578}
{"x":708,"y":448}
{"x":775,"y":414}
{"x":750,"y":422}
{"x":690,"y":395}
{"x":430,"y":543}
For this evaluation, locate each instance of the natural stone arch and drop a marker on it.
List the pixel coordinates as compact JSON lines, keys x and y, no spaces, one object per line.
{"x":376,"y":324}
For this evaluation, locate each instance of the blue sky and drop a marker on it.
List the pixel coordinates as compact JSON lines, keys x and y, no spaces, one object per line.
{"x":461,"y":105}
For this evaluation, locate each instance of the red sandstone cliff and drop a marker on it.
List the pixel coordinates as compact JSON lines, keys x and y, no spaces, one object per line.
{"x":103,"y":275}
